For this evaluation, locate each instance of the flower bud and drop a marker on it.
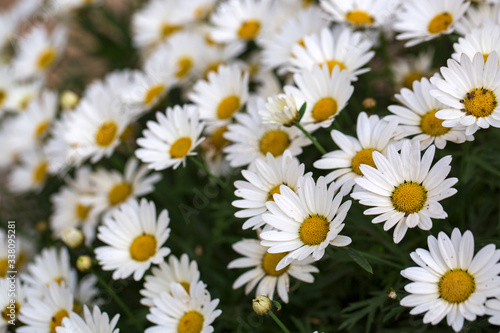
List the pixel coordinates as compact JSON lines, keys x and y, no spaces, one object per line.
{"x":392,"y":294}
{"x":262,"y":305}
{"x":73,"y":238}
{"x":69,"y":100}
{"x":83,"y":263}
{"x":369,"y":103}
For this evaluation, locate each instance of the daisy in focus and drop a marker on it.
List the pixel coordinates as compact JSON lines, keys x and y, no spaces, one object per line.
{"x":170,"y":139}
{"x":263,"y":179}
{"x":417,"y":117}
{"x":403,"y":191}
{"x":305,"y":222}
{"x":95,"y":322}
{"x":419,"y":21}
{"x":451,"y":281}
{"x":485,"y":39}
{"x":280,"y":110}
{"x":264,"y":274}
{"x":374,"y":134}
{"x":469,"y":89}
{"x":135,"y":239}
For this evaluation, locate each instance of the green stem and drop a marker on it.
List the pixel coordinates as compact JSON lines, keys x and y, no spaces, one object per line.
{"x":312,"y":138}
{"x":279,"y":322}
{"x":205,"y":169}
{"x":118,"y":301}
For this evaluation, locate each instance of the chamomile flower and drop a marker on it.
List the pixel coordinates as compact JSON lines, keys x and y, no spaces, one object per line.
{"x":374,"y":134}
{"x":38,"y":51}
{"x":30,"y":174}
{"x":413,"y":68}
{"x":403,"y":191}
{"x":180,"y":271}
{"x":451,"y":281}
{"x":342,"y":47}
{"x":174,"y":136}
{"x":181,"y":311}
{"x":219,"y":98}
{"x":485,"y":40}
{"x":135,"y":239}
{"x":264,"y":274}
{"x":263,"y":180}
{"x":280,"y":110}
{"x":22,"y":94}
{"x":361,"y":13}
{"x":419,"y":21}
{"x":6,"y":84}
{"x":9,"y":306}
{"x":305,"y":222}
{"x":325,"y":92}
{"x":476,"y":16}
{"x":46,"y":313}
{"x":187,"y":49}
{"x":251,"y":139}
{"x":110,"y":188}
{"x":469,"y":89}
{"x":95,"y":322}
{"x":417,"y":117}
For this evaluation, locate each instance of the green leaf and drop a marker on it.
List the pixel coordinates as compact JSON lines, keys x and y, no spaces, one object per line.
{"x":302,"y":110}
{"x":277,"y":305}
{"x":359,"y":259}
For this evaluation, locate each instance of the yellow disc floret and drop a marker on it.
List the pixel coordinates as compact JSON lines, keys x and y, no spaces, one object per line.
{"x":228,"y":106}
{"x":106,"y":133}
{"x":270,"y":261}
{"x":359,"y":17}
{"x":409,"y":197}
{"x":480,"y":102}
{"x":40,"y":172}
{"x":82,"y":211}
{"x":364,"y":156}
{"x":410,"y":78}
{"x":168,"y":29}
{"x":184,"y":66}
{"x":180,"y":147}
{"x":143,"y":247}
{"x":249,"y":29}
{"x":153,"y":92}
{"x":331,"y":65}
{"x":46,"y":58}
{"x":456,"y":286}
{"x":274,"y":142}
{"x":7,"y":312}
{"x":57,"y":319}
{"x":217,"y":138}
{"x":119,"y":193}
{"x":191,"y":322}
{"x":314,"y":230}
{"x":4,"y":265}
{"x":324,"y":109}
{"x":431,"y":125}
{"x":440,"y":23}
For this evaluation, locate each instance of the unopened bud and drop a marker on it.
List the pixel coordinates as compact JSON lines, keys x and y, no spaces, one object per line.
{"x":392,"y":294}
{"x":73,"y":238}
{"x":83,"y":263}
{"x":369,"y":103}
{"x":41,"y":226}
{"x":69,"y":100}
{"x":262,"y":305}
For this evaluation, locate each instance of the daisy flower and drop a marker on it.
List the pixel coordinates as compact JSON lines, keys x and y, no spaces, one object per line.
{"x":263,"y":179}
{"x":361,"y":13}
{"x":325,"y":92}
{"x":402,"y":189}
{"x":469,"y":89}
{"x":264,"y":274}
{"x":180,"y":271}
{"x":493,"y":310}
{"x":111,"y":188}
{"x":30,"y":174}
{"x":187,"y":49}
{"x":251,"y":139}
{"x":374,"y":134}
{"x":38,"y":51}
{"x":95,"y":322}
{"x":22,"y":94}
{"x":485,"y":40}
{"x":413,"y":68}
{"x":219,"y":98}
{"x":280,"y":110}
{"x":181,"y":311}
{"x":135,"y":238}
{"x":417,"y":117}
{"x":6,"y":84}
{"x":171,"y":138}
{"x":10,"y":307}
{"x":306,"y":222}
{"x":46,"y":313}
{"x":419,"y":21}
{"x":476,"y":16}
{"x":342,"y":47}
{"x":451,"y":281}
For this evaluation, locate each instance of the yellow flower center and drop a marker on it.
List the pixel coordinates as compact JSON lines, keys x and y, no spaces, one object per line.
{"x":186,"y":286}
{"x":331,"y":65}
{"x":440,"y":23}
{"x":314,"y":230}
{"x":3,"y":96}
{"x":270,"y":261}
{"x":57,"y":319}
{"x":409,"y":197}
{"x":480,"y":102}
{"x":4,"y":267}
{"x":359,"y":17}
{"x":119,"y":193}
{"x":218,"y":139}
{"x":213,"y":67}
{"x":410,"y":78}
{"x":249,"y":29}
{"x":274,"y":190}
{"x":191,"y":322}
{"x":431,"y":125}
{"x":185,"y":64}
{"x":25,"y":102}
{"x":456,"y":286}
{"x":364,"y":156}
{"x":40,"y":172}
{"x":7,"y":311}
{"x":153,"y":93}
{"x":168,"y":29}
{"x":143,"y":247}
{"x":82,"y":211}
{"x":180,"y":148}
{"x":106,"y":133}
{"x":485,"y":57}
{"x":228,"y":106}
{"x":274,"y":142}
{"x":46,"y":58}
{"x":324,"y":109}
{"x":41,"y":129}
